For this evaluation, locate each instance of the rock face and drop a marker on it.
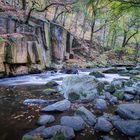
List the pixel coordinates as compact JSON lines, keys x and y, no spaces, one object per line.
{"x":75,"y":122}
{"x":128,"y":127}
{"x":58,"y":106}
{"x":103,"y":125}
{"x":79,"y":87}
{"x":86,"y":115}
{"x":129,"y":111}
{"x":65,"y":130}
{"x":31,"y":49}
{"x":45,"y":119}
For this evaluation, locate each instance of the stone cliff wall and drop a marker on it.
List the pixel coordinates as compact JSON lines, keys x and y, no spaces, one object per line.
{"x":31,"y":48}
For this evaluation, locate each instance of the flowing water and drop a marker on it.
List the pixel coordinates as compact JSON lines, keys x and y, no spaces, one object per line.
{"x":16,"y":119}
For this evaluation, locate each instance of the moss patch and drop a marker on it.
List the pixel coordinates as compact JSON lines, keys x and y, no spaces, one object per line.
{"x":74,"y":96}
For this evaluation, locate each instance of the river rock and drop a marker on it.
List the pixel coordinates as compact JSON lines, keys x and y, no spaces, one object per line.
{"x":106,"y":138}
{"x":119,"y":94}
{"x":35,"y":132}
{"x":80,"y":87}
{"x":45,"y":119}
{"x":128,"y":127}
{"x":49,"y":91}
{"x":137,"y":88}
{"x":75,"y":122}
{"x":97,"y":74}
{"x":69,"y":71}
{"x":58,"y":106}
{"x":130,"y":90}
{"x":115,"y":70}
{"x":128,"y":97}
{"x":28,"y":137}
{"x":51,"y":84}
{"x":103,"y":125}
{"x":35,"y":101}
{"x":53,"y":130}
{"x":134,"y":72}
{"x":117,"y":84}
{"x":110,"y":98}
{"x":129,"y":111}
{"x":100,"y":104}
{"x":110,"y":88}
{"x":86,"y":115}
{"x":113,"y":100}
{"x":115,"y":118}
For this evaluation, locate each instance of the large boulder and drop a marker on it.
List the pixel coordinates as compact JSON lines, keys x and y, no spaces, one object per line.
{"x":58,"y":106}
{"x":128,"y":127}
{"x":80,"y":87}
{"x":129,"y":111}
{"x":67,"y":132}
{"x":75,"y":122}
{"x":86,"y":115}
{"x":103,"y":125}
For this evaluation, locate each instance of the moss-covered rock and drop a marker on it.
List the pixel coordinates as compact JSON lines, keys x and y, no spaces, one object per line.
{"x":97,"y":74}
{"x":51,"y":84}
{"x":58,"y":136}
{"x":119,"y":94}
{"x":110,"y":88}
{"x":29,"y":137}
{"x":100,"y":87}
{"x":49,"y":91}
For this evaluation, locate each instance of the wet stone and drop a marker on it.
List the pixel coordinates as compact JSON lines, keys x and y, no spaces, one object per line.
{"x":75,"y":122}
{"x":45,"y":119}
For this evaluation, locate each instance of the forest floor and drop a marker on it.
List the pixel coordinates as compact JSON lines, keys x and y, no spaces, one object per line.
{"x":85,"y":57}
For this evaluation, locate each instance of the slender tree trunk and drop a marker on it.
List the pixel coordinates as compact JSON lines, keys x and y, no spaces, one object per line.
{"x":24,"y":4}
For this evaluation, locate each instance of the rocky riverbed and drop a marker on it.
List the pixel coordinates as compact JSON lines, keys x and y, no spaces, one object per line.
{"x":81,"y":107}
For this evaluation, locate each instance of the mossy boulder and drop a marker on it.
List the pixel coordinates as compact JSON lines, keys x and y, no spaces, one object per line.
{"x":83,"y":85}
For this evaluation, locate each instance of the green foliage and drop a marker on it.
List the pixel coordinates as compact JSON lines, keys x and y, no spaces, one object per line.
{"x":2,"y":40}
{"x":126,"y":50}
